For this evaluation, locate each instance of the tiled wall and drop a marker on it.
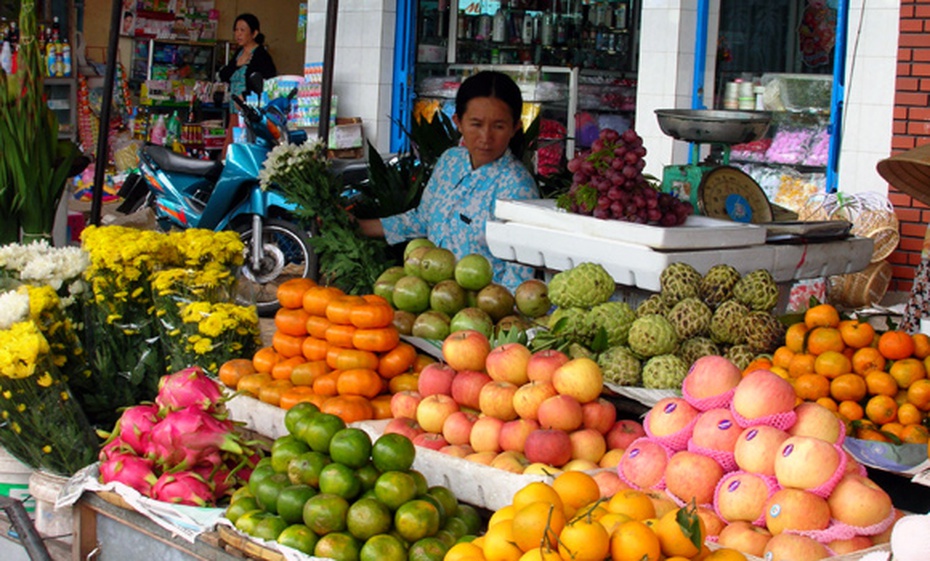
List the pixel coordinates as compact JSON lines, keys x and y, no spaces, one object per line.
{"x":364,"y":65}
{"x":911,"y":129}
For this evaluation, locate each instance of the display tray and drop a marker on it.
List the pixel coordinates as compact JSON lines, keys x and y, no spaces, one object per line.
{"x":644,"y":396}
{"x":800,"y":231}
{"x":632,"y":264}
{"x":698,"y":232}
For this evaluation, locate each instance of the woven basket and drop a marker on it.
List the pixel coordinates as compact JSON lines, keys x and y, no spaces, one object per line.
{"x":871,"y":214}
{"x":864,"y":288}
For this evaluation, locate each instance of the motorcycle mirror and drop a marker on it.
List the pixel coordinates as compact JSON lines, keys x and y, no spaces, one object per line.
{"x":256,"y":82}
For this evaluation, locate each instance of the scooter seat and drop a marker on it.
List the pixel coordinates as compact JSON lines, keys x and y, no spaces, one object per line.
{"x":171,"y":161}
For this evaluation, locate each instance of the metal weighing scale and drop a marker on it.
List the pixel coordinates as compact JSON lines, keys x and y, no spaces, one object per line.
{"x":714,"y":187}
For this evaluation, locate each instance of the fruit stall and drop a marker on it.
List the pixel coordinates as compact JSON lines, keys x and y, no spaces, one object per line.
{"x":438,"y":414}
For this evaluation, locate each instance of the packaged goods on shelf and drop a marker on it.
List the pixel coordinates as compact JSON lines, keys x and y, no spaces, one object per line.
{"x":797,"y":92}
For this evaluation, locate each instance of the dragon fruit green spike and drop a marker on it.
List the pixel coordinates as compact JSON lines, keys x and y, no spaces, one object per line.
{"x":190,"y":386}
{"x":186,"y":488}
{"x":130,"y":470}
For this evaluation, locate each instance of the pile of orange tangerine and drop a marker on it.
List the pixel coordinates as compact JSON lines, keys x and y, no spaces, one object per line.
{"x":876,"y":382}
{"x":568,"y":521}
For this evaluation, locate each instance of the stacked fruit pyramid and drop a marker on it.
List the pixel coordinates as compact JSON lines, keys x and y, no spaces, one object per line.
{"x":694,"y":315}
{"x":768,"y":475}
{"x":435,"y":294}
{"x":876,"y":382}
{"x":327,"y":490}
{"x":513,"y":409}
{"x":338,"y":351}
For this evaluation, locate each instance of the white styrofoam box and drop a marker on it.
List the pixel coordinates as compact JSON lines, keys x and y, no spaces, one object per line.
{"x":629,"y":264}
{"x":644,"y":396}
{"x":807,"y":261}
{"x":697,"y":232}
{"x":263,"y":418}
{"x":640,"y":266}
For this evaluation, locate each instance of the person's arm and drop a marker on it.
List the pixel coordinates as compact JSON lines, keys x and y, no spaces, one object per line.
{"x":371,"y":227}
{"x":227,"y":71}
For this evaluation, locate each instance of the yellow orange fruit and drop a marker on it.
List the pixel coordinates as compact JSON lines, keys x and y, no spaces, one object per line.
{"x":576,"y":489}
{"x":866,"y":359}
{"x":906,"y":371}
{"x":812,"y":386}
{"x":634,"y":541}
{"x":821,"y":315}
{"x":672,"y":539}
{"x":856,"y":334}
{"x":879,"y":382}
{"x":848,"y":387}
{"x":823,"y":339}
{"x":881,"y":409}
{"x":895,"y":345}
{"x":795,"y":337}
{"x":633,"y":503}
{"x":832,"y":364}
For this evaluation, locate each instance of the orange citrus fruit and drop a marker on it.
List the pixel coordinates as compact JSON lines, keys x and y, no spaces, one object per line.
{"x":918,"y":393}
{"x":500,"y":542}
{"x":795,"y":337}
{"x":895,"y":345}
{"x":880,"y":382}
{"x":907,"y":371}
{"x":848,"y":387}
{"x":584,"y":540}
{"x":881,"y":409}
{"x":909,"y":414}
{"x":829,"y":403}
{"x":782,"y":357}
{"x":856,"y":334}
{"x":801,"y":363}
{"x":576,"y":489}
{"x":635,"y":504}
{"x":921,"y":345}
{"x":673,"y":540}
{"x":867,"y":358}
{"x":851,"y":410}
{"x":915,"y":434}
{"x":535,"y":554}
{"x":502,"y":514}
{"x":538,"y":525}
{"x":634,"y":541}
{"x":533,"y":492}
{"x":821,"y":315}
{"x":812,"y":386}
{"x":832,"y":364}
{"x":822,"y":339}
{"x":611,"y":521}
{"x":725,"y":554}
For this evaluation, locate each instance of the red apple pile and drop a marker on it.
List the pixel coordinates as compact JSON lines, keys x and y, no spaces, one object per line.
{"x":513,"y":409}
{"x":768,"y":475}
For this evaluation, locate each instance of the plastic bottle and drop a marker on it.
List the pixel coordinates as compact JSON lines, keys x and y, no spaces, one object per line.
{"x":65,"y":58}
{"x":499,"y":27}
{"x":159,"y":131}
{"x":6,"y":57}
{"x":50,"y":58}
{"x":173,"y":128}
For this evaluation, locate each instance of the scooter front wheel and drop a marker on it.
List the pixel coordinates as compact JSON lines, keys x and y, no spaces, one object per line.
{"x":286,"y":254}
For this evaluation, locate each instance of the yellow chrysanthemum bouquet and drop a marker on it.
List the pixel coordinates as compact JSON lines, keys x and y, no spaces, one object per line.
{"x":40,"y":421}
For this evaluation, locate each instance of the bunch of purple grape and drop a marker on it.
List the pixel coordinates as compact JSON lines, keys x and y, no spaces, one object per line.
{"x":608,"y":182}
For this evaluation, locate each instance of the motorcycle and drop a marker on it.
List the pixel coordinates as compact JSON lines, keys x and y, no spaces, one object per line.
{"x":226,"y":194}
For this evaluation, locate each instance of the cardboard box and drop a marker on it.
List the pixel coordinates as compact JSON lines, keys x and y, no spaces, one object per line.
{"x":347,"y":134}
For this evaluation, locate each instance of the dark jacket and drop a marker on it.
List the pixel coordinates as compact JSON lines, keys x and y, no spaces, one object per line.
{"x":261,"y":62}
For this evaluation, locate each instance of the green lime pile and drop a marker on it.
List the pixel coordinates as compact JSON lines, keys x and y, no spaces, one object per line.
{"x":327,"y":490}
{"x":436,"y":294}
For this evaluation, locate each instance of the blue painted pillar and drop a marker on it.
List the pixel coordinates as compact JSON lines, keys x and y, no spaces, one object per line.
{"x":402,"y":88}
{"x":837,"y":94}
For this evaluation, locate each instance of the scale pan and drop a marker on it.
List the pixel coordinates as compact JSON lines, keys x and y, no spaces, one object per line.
{"x":713,"y":126}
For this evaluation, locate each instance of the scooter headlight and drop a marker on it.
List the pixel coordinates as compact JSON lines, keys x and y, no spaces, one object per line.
{"x":274,"y":130}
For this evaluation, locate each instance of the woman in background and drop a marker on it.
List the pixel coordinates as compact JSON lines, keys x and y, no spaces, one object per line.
{"x":251,"y":56}
{"x":469,"y":179}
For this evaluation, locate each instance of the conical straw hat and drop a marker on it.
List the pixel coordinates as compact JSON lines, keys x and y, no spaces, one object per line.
{"x":909,"y":172}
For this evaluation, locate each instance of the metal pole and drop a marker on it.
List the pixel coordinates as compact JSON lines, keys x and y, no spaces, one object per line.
{"x":29,"y":537}
{"x":100,"y":165}
{"x":329,"y":56}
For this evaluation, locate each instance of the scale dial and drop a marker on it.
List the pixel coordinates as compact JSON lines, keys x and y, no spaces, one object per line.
{"x":728,"y":193}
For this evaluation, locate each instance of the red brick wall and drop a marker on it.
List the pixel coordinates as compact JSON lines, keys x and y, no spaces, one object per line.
{"x":911,"y":129}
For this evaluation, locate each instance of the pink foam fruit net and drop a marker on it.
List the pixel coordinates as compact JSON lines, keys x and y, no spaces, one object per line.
{"x":720,"y":401}
{"x":676,"y":441}
{"x":727,"y":460}
{"x":782,"y":421}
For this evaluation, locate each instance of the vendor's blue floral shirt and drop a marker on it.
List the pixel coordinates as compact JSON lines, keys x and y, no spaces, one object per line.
{"x":458,"y":202}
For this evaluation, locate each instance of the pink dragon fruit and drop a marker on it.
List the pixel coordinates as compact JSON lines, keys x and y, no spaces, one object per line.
{"x":187,"y":437}
{"x":134,"y":426}
{"x":114,"y":446}
{"x":129,"y":470}
{"x":188,"y":387}
{"x":186,"y":488}
{"x":218,"y":476}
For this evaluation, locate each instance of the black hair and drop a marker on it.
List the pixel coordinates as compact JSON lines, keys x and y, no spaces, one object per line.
{"x":253,"y":24}
{"x":490,"y":83}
